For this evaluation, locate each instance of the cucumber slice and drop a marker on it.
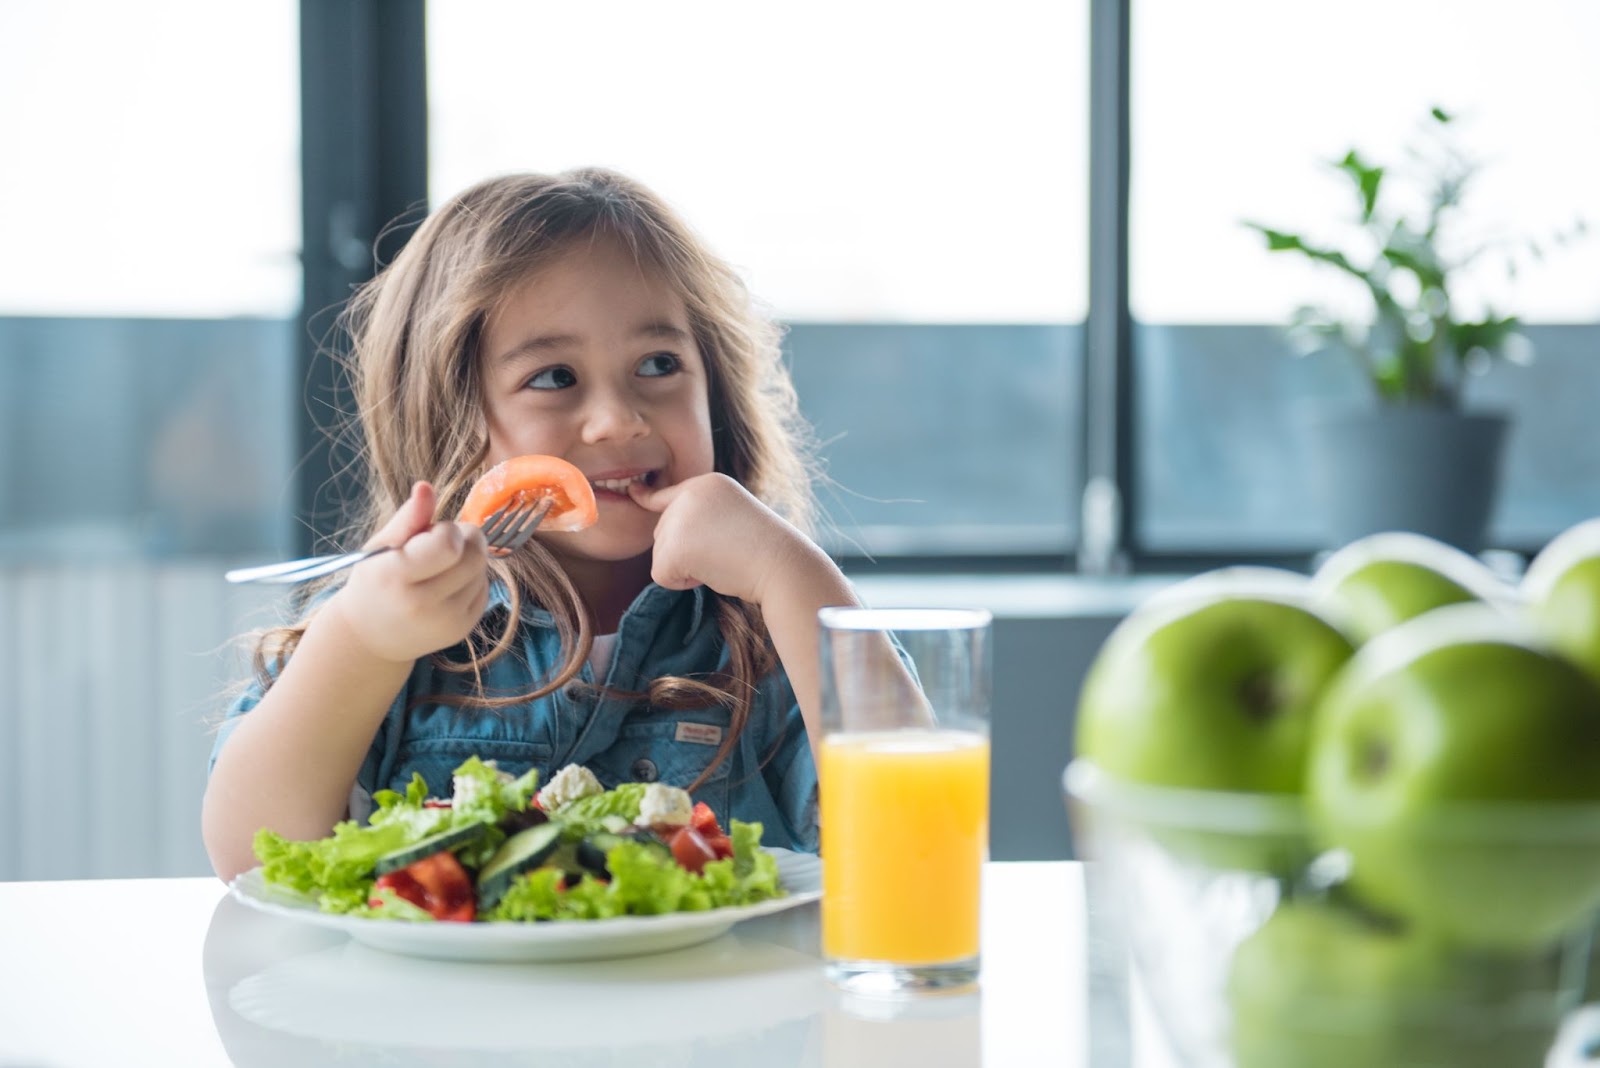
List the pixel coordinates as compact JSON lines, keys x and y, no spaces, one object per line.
{"x":591,"y":852}
{"x":452,"y":839}
{"x":522,"y":852}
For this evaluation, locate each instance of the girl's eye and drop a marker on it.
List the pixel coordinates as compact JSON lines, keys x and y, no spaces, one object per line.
{"x":553,"y":378}
{"x":659,"y":363}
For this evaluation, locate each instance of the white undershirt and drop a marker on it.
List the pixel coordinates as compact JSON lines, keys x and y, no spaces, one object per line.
{"x":600,"y":655}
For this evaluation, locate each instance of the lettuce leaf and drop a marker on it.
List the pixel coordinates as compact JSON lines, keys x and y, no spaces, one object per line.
{"x":646,"y":881}
{"x":587,"y":815}
{"x":538,"y":895}
{"x":391,"y":906}
{"x":489,"y":799}
{"x":337,"y":869}
{"x":750,"y":875}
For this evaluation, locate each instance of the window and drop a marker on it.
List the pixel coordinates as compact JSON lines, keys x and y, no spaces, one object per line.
{"x":1240,"y":129}
{"x":149,"y":289}
{"x":906,"y":191}
{"x":150,"y":203}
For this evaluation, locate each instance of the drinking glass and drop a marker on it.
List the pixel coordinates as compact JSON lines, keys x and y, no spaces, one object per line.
{"x":904,"y":773}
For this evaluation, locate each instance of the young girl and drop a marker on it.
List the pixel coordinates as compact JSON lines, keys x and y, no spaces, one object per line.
{"x":674,"y":641}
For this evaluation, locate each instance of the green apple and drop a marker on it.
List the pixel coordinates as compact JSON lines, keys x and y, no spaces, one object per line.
{"x":1457,"y":762}
{"x":1562,"y":592}
{"x":1383,"y":580}
{"x":1210,"y":692}
{"x":1320,"y":985}
{"x":1244,"y":580}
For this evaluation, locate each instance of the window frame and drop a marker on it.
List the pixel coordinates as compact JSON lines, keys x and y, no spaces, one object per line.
{"x":364,"y":124}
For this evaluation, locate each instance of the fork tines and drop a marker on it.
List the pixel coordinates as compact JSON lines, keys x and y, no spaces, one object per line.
{"x":511,"y":527}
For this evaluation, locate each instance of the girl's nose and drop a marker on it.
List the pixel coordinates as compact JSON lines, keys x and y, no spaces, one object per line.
{"x":612,"y":416}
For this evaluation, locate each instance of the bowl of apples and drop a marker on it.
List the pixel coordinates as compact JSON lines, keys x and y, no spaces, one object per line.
{"x":1353,"y":818}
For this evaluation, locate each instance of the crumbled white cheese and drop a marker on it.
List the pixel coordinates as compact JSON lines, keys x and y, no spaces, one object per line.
{"x":664,"y":804}
{"x":464,"y":789}
{"x":567,"y":785}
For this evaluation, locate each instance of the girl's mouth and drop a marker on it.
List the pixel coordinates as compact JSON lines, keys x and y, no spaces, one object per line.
{"x":619,"y":486}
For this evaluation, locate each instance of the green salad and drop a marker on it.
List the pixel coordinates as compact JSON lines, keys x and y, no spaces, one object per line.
{"x":499,"y":848}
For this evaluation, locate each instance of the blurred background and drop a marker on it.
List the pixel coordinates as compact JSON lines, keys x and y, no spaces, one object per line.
{"x":1044,"y":356}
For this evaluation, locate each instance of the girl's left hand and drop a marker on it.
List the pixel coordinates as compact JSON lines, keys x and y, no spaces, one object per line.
{"x":714,"y":532}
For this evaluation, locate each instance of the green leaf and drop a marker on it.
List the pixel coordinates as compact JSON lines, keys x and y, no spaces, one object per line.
{"x":482,"y":797}
{"x":416,"y":793}
{"x":1368,"y":179}
{"x":391,"y":906}
{"x":587,"y":814}
{"x":535,"y":895}
{"x":336,"y":867}
{"x":1279,"y":241}
{"x":1419,"y":261}
{"x":647,"y":882}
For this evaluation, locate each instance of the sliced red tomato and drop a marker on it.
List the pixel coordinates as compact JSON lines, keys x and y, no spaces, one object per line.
{"x":690,"y":850}
{"x":437,"y":884}
{"x":527,"y":480}
{"x":703,"y":819}
{"x":720,"y":844}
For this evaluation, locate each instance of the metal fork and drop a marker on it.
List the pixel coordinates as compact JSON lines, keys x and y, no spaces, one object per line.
{"x":506,"y":531}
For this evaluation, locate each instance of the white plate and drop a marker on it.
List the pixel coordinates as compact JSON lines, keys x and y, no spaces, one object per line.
{"x":800,"y":874}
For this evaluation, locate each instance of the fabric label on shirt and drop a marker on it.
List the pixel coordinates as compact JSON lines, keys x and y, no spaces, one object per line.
{"x":699,"y":733}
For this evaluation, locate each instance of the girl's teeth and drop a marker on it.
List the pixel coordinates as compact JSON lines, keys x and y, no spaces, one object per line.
{"x":620,"y":485}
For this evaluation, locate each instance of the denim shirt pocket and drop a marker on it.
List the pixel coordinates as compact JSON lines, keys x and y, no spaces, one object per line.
{"x":671,"y":747}
{"x":438,"y":757}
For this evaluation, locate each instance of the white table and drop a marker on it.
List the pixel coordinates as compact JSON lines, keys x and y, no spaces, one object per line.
{"x":174,"y":972}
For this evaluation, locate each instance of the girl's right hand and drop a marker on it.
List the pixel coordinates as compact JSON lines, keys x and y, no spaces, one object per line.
{"x":426,"y":595}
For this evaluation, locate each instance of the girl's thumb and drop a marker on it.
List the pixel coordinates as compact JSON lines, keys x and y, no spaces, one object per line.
{"x":651,"y":500}
{"x":414,"y":516}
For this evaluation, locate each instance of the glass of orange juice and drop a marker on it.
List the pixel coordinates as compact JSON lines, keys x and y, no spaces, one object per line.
{"x":904,"y":805}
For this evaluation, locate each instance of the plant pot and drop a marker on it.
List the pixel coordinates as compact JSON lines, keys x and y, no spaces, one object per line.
{"x":1423,"y":470}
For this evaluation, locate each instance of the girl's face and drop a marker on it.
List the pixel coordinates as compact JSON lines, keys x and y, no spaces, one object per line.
{"x":591,"y":359}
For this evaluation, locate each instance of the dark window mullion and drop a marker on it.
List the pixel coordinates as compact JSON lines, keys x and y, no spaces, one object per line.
{"x":1107,"y":517}
{"x":363,"y":103}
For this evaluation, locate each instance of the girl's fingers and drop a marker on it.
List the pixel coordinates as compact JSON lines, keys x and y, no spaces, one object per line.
{"x":439,"y":550}
{"x":461,"y":571}
{"x":651,"y":499}
{"x":472,"y":599}
{"x":414,"y":516}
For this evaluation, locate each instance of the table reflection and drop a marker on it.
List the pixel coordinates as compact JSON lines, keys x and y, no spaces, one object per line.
{"x":284,"y":993}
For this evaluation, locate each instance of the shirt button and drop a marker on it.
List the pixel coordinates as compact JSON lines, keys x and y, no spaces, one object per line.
{"x":644,"y":770}
{"x":574,"y":690}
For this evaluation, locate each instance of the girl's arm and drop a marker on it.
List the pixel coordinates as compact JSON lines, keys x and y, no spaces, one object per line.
{"x":714,"y":532}
{"x":291,"y":761}
{"x":803,"y":580}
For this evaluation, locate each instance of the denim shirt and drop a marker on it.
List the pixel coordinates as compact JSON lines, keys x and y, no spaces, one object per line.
{"x":664,"y":632}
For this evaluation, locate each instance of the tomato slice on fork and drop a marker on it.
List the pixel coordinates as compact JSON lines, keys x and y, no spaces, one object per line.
{"x":528,"y":480}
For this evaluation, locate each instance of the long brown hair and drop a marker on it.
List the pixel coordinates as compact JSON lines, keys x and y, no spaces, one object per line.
{"x":415,"y":368}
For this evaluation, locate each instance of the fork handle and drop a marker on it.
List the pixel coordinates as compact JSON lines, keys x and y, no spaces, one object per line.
{"x":302,"y":570}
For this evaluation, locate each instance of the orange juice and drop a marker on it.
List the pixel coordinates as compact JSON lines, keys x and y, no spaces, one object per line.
{"x":905,"y":831}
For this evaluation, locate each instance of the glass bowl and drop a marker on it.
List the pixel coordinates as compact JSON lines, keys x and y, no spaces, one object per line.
{"x":1257,"y":949}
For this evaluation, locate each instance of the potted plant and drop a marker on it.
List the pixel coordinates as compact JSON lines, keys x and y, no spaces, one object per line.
{"x":1416,"y":459}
